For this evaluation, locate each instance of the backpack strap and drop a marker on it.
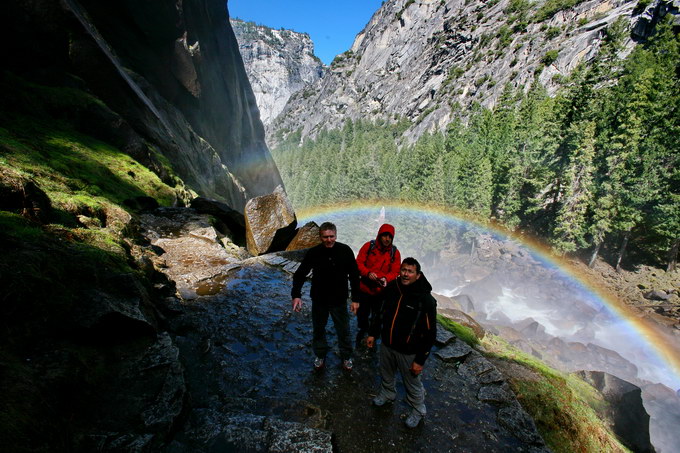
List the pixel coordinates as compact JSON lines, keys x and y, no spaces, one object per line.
{"x":393,"y":251}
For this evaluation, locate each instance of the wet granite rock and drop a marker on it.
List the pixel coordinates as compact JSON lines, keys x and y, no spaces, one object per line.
{"x":444,"y":337}
{"x":242,"y":431}
{"x":306,"y":237}
{"x":463,"y":319}
{"x":455,"y":352}
{"x":478,"y":368}
{"x":193,"y":254}
{"x":514,"y":418}
{"x":270,"y":222}
{"x":496,"y":394}
{"x":626,"y":413}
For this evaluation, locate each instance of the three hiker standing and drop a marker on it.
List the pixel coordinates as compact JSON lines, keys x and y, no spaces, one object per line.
{"x":408,"y":327}
{"x":395,"y":305}
{"x":333,"y":265}
{"x":378,"y":262}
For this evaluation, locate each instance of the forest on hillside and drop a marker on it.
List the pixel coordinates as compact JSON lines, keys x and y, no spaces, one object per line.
{"x":594,"y":168}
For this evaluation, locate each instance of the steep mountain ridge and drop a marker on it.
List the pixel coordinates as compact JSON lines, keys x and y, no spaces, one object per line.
{"x":279,"y":63}
{"x":426,"y":60}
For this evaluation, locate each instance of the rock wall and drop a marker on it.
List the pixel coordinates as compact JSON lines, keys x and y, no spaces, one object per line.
{"x":170,"y":69}
{"x":279,"y":63}
{"x":424,"y":59}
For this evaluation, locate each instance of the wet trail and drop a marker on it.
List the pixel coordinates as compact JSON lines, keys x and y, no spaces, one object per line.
{"x":245,"y":351}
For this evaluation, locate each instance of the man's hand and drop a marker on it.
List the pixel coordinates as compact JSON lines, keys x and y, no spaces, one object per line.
{"x":297,"y":304}
{"x":370,"y":342}
{"x":372,"y":276}
{"x":415,"y":369}
{"x":353,"y":307}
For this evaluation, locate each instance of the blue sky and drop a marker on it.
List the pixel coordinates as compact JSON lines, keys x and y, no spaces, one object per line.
{"x":332,"y":25}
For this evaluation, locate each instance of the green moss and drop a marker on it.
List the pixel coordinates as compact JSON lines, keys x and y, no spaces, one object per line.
{"x":464,"y":333}
{"x":16,"y":226}
{"x":70,"y":165}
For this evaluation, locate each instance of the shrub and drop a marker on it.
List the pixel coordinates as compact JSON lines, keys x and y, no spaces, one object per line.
{"x":549,"y":57}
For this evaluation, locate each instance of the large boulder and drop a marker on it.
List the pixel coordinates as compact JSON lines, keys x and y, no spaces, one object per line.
{"x":306,"y":237}
{"x":626,"y":413}
{"x":270,"y":222}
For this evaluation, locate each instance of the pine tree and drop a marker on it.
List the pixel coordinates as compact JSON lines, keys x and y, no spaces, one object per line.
{"x":571,"y":226}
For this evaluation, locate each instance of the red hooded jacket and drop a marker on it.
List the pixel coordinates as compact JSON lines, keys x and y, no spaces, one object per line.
{"x":378,"y":261}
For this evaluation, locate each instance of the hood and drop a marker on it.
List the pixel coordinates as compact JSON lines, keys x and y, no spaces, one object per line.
{"x":385,"y":228}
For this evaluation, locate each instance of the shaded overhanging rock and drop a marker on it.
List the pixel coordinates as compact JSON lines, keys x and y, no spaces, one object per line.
{"x":270,"y":222}
{"x":232,"y":221}
{"x":626,"y":413}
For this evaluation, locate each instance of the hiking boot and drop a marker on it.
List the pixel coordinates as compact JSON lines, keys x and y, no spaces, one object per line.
{"x":413,"y":419}
{"x":347,"y":364}
{"x":319,"y":363}
{"x":380,"y":401}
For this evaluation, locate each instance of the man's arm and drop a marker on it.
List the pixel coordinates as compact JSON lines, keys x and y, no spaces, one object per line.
{"x":428,"y":327}
{"x":299,"y":278}
{"x":376,"y":324}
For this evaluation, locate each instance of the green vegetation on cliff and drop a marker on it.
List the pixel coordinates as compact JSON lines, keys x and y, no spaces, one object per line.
{"x":68,"y":196}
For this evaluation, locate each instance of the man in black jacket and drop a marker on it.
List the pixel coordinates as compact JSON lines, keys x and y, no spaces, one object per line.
{"x":408,"y":328}
{"x":333,"y":265}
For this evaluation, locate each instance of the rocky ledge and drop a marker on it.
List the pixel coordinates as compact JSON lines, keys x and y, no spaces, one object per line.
{"x":249,"y":379}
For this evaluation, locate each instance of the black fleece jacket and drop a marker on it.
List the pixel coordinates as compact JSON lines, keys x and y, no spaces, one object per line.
{"x":331,"y":269}
{"x":408,"y":318}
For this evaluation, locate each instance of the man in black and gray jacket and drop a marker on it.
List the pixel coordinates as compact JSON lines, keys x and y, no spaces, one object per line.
{"x":408,"y":327}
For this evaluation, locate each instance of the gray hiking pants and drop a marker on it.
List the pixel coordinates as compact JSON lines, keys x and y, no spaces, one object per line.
{"x":390,"y":362}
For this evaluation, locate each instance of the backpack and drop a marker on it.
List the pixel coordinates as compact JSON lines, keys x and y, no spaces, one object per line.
{"x":393,"y":250}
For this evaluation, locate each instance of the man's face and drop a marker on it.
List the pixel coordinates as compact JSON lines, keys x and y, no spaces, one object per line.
{"x":408,"y":274}
{"x":386,"y":239}
{"x":327,"y":238}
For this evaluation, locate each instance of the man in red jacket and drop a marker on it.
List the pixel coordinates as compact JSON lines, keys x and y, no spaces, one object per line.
{"x":378,"y":261}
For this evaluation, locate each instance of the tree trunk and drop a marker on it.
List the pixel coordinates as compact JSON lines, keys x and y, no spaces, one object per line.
{"x":593,"y":257}
{"x":673,"y":255}
{"x":622,"y":250}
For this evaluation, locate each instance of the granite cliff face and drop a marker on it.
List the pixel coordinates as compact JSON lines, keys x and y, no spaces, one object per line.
{"x":279,"y":63}
{"x":424,"y":59}
{"x":170,"y":70}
